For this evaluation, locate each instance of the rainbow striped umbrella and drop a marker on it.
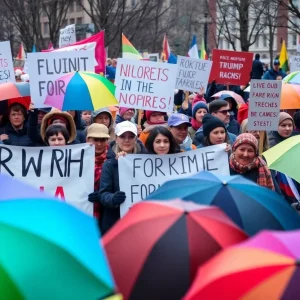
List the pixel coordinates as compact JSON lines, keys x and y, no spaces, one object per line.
{"x":82,"y":91}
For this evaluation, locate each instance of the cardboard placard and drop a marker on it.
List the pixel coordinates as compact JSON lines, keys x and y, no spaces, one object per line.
{"x":192,"y":74}
{"x":264,"y":105}
{"x":67,"y":36}
{"x":7,"y":73}
{"x":45,"y":68}
{"x":145,"y":85}
{"x":231,"y":67}
{"x":295,"y":63}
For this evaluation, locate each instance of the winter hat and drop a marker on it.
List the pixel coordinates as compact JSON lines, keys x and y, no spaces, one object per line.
{"x":210,"y":123}
{"x":98,"y":131}
{"x":246,"y":138}
{"x":198,"y":106}
{"x":285,"y":116}
{"x":150,"y":112}
{"x":122,"y":110}
{"x":243,"y":113}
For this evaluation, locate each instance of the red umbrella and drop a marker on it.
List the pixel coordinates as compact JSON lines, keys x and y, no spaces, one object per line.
{"x":239,"y":99}
{"x":154,"y":251}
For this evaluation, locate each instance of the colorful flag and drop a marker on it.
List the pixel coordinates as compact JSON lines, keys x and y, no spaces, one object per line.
{"x":166,"y":49}
{"x":128,"y":50}
{"x":33,"y":49}
{"x":284,"y":58}
{"x":21,"y":54}
{"x":172,"y":59}
{"x":203,"y":54}
{"x":193,"y":52}
{"x":50,"y":46}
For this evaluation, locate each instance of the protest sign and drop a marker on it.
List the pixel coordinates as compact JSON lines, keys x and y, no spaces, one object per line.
{"x":94,"y":43}
{"x":231,"y":67}
{"x":295,"y":63}
{"x":67,"y":36}
{"x":65,"y":172}
{"x":264,"y":107}
{"x":145,"y":85}
{"x":46,"y":68}
{"x":141,"y":175}
{"x":192,"y":74}
{"x":7,"y":73}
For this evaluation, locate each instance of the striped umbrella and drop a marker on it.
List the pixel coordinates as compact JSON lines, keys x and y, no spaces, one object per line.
{"x":10,"y":90}
{"x":82,"y":91}
{"x":293,"y":77}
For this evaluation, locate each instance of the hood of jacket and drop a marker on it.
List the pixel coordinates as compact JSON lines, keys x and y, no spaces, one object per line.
{"x":100,"y":111}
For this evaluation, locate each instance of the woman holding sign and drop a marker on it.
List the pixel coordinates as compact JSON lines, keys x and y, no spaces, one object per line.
{"x":110,"y":195}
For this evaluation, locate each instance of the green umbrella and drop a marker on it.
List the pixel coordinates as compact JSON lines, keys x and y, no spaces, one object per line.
{"x":284,"y":157}
{"x":50,"y":250}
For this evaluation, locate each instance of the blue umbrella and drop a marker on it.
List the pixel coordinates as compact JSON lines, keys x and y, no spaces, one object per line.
{"x":50,"y":250}
{"x":250,"y":206}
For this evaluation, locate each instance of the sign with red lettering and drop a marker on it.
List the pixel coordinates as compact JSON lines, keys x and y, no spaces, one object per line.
{"x":7,"y":73}
{"x":264,"y":105}
{"x":145,"y":85}
{"x":231,"y":67}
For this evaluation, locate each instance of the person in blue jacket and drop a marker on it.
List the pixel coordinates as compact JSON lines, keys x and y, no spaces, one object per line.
{"x":275,"y":72}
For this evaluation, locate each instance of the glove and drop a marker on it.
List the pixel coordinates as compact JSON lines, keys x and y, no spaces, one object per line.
{"x":118,"y":198}
{"x":93,"y":197}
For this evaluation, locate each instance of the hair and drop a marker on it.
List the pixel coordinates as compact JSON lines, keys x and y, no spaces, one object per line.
{"x":55,"y":129}
{"x":206,"y":141}
{"x":174,"y":147}
{"x":215,"y":105}
{"x":257,"y":56}
{"x":18,"y":107}
{"x":297,"y":119}
{"x":244,"y":129}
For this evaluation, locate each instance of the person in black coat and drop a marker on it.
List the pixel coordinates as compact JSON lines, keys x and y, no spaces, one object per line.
{"x":110,"y":195}
{"x":13,"y":128}
{"x":257,"y":68}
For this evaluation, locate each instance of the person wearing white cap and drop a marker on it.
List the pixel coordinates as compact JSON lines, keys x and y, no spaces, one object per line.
{"x":110,"y":195}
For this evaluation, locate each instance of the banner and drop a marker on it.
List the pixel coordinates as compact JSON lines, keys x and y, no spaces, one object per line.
{"x":45,"y":69}
{"x":94,"y":43}
{"x":7,"y":73}
{"x":141,"y":175}
{"x":145,"y":85}
{"x":67,"y":36}
{"x":65,"y":172}
{"x":231,"y":67}
{"x":295,"y":63}
{"x":264,"y":107}
{"x":192,"y":74}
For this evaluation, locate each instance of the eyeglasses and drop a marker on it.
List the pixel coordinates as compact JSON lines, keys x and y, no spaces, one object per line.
{"x":224,"y":112}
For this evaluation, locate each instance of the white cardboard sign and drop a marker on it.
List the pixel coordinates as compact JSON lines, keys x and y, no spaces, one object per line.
{"x":140,"y":174}
{"x":67,"y":36}
{"x":192,"y":74}
{"x":7,"y":73}
{"x":45,"y":68}
{"x":145,"y":85}
{"x":264,"y":105}
{"x":295,"y":63}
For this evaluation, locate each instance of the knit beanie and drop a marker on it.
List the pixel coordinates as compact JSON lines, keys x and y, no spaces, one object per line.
{"x":150,"y":112}
{"x":246,"y":138}
{"x":197,"y":106}
{"x":210,"y":123}
{"x":285,"y":116}
{"x":122,"y":110}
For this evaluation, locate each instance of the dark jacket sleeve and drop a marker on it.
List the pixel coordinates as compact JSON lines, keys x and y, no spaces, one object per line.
{"x":211,"y":90}
{"x":178,"y":98}
{"x":33,"y":128}
{"x":106,"y":190}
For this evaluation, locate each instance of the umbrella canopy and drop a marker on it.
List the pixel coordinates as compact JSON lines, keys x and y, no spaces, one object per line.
{"x":155,"y":250}
{"x":50,"y":250}
{"x":290,"y":96}
{"x":12,"y":188}
{"x":250,"y":206}
{"x":11,"y":90}
{"x":293,"y":77}
{"x":83,"y":91}
{"x":264,"y":267}
{"x":284,"y":157}
{"x":239,"y":99}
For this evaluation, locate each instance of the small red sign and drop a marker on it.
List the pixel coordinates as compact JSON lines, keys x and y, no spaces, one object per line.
{"x":231,"y":67}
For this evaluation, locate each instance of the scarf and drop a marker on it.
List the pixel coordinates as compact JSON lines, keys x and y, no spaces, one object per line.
{"x":264,"y":174}
{"x":187,"y":144}
{"x":195,"y":124}
{"x":99,"y":161}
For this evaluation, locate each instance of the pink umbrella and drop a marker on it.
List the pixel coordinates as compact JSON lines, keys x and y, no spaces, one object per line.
{"x":239,"y":99}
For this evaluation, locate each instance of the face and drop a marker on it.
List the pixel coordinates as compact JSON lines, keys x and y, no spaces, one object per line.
{"x":200,"y":113}
{"x":57,"y":140}
{"x":86,"y":116}
{"x":255,"y":133}
{"x":103,"y":118}
{"x":59,"y":122}
{"x":223,"y":114}
{"x":128,"y":115}
{"x":100,"y":144}
{"x":16,"y":118}
{"x":41,"y":115}
{"x":217,"y":136}
{"x":244,"y":154}
{"x":157,"y":117}
{"x":126,"y":141}
{"x":161,"y":144}
{"x":276,"y":68}
{"x":180,"y":132}
{"x":229,"y":101}
{"x":72,"y":113}
{"x":285,"y":128}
